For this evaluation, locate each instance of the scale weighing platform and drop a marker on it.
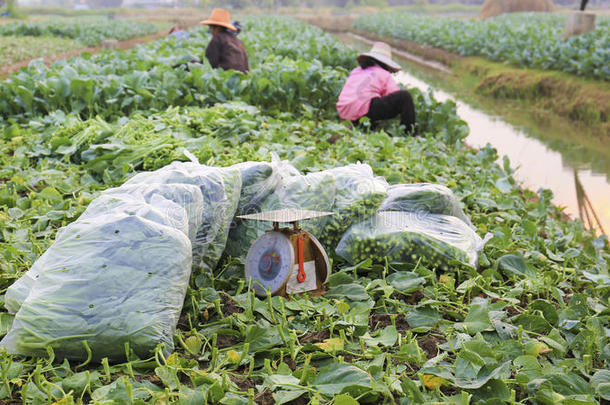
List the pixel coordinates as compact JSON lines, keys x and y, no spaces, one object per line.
{"x":287,"y":260}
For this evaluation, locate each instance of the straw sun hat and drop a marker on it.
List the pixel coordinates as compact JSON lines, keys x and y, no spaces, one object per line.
{"x":381,"y":52}
{"x":220,"y":17}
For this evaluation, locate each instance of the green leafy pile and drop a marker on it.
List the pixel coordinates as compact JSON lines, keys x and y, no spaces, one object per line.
{"x":522,"y":39}
{"x":89,"y":31}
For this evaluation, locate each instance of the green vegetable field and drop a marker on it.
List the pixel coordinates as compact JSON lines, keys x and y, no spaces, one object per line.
{"x":527,"y":323}
{"x":15,"y":49}
{"x":88,"y":31}
{"x":521,"y":39}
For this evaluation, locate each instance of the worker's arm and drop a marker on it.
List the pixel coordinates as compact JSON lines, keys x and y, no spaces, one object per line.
{"x":213,"y":51}
{"x":390,"y":84}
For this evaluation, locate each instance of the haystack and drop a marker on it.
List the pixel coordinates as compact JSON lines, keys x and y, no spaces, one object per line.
{"x":492,"y":8}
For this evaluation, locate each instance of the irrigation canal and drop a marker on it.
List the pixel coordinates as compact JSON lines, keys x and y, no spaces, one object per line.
{"x":551,"y":155}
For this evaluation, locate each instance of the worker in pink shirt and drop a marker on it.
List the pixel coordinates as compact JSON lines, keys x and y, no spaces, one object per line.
{"x":370,"y":90}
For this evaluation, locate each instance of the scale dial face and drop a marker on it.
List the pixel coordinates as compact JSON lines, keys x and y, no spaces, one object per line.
{"x":269,"y":262}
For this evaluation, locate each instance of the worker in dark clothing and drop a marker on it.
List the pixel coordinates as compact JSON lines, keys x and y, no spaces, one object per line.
{"x":237,"y":26}
{"x":583,"y":4}
{"x":225,"y":50}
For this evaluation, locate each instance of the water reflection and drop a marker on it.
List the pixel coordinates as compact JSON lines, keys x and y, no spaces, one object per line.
{"x":585,"y":209}
{"x":537,"y":165}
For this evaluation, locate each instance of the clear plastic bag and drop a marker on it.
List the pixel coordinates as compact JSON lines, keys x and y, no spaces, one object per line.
{"x":314,"y":191}
{"x":358,"y":196}
{"x":438,"y":241}
{"x":159,"y":210}
{"x":351,"y":192}
{"x":423,"y":198}
{"x":186,"y":196}
{"x":220,"y":188}
{"x":107,"y":280}
{"x":260,"y":180}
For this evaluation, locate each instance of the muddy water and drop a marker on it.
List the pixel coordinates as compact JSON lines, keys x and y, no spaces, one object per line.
{"x":545,"y":153}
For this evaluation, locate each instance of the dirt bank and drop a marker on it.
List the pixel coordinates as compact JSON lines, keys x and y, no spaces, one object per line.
{"x":584,"y":102}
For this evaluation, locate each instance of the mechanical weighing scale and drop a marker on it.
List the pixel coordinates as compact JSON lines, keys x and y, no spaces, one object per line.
{"x":287,"y":260}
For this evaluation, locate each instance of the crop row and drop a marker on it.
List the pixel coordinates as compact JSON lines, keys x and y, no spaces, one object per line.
{"x":89,"y":32}
{"x":15,"y":49}
{"x":522,"y":39}
{"x":292,"y":71}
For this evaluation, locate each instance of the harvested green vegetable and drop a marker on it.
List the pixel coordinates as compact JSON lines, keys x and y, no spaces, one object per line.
{"x":259,"y":180}
{"x":357,"y":196}
{"x":113,"y":279}
{"x":423,"y":198}
{"x":220,"y":188}
{"x":437,"y":241}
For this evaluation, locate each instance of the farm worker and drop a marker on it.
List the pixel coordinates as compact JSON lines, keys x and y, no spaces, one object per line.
{"x":178,"y":33}
{"x":370,"y":90}
{"x":237,"y":26}
{"x":225,"y":50}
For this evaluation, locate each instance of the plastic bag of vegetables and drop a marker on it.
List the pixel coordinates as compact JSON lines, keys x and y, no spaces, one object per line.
{"x":158,"y":209}
{"x":358,"y":195}
{"x":314,"y":191}
{"x":423,"y":198}
{"x":106,"y":281}
{"x":220,"y":188}
{"x":187,"y":196}
{"x":259,"y":180}
{"x":438,"y":241}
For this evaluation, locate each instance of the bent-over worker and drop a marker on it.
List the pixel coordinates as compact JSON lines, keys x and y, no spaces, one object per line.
{"x":370,"y":90}
{"x":178,"y":33}
{"x":225,"y":50}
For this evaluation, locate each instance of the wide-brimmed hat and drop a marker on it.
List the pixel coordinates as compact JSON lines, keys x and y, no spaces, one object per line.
{"x":220,"y":17}
{"x":381,"y":52}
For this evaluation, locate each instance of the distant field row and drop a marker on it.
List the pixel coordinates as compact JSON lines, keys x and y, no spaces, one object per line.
{"x":16,"y":49}
{"x":521,"y":39}
{"x":88,"y":31}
